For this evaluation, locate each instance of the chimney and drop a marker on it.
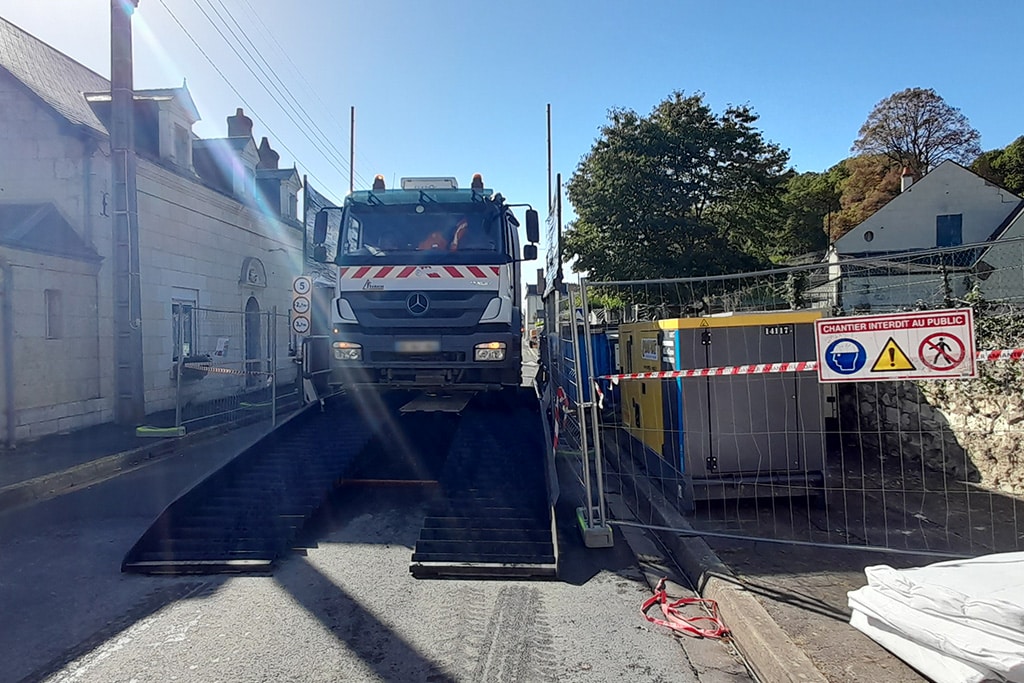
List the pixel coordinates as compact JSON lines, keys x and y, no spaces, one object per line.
{"x":906,"y":179}
{"x":268,"y":157}
{"x":239,"y":125}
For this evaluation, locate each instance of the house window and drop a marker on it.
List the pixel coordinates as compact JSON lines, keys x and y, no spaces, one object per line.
{"x":183,"y":326}
{"x":54,"y":314}
{"x":181,"y":146}
{"x":293,"y":206}
{"x":949,"y":230}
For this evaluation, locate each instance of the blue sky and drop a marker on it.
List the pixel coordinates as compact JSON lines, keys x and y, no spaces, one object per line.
{"x":453,"y":88}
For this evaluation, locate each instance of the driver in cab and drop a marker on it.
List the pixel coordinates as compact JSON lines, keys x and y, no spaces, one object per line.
{"x":436,"y":240}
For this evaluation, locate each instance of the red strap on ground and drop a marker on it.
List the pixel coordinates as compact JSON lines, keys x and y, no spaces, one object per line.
{"x":683,"y":624}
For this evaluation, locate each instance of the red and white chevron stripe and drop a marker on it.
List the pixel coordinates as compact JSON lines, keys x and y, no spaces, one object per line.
{"x":407,"y":272}
{"x":765,"y":368}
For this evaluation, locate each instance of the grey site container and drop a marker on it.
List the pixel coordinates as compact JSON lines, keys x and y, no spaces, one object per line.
{"x":746,"y":435}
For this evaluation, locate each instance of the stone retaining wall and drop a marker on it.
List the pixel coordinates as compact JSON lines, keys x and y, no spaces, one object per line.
{"x":971,"y":430}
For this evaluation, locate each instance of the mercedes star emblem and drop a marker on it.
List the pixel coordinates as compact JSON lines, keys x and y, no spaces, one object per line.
{"x":417,"y":303}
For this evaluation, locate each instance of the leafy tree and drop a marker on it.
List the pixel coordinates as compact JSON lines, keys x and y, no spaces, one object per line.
{"x":1004,"y":167}
{"x":916,"y":128}
{"x":809,"y":201}
{"x":681,"y":192}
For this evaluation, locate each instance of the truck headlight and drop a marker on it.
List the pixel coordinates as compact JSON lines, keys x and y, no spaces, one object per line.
{"x":347,"y":351}
{"x":490,"y":351}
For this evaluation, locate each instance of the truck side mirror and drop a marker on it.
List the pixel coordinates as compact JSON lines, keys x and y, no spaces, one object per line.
{"x":532,"y":227}
{"x":530,"y":252}
{"x":320,"y":253}
{"x":320,"y":227}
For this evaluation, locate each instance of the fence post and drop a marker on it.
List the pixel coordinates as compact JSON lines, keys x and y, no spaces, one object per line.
{"x":180,"y":366}
{"x":581,"y":414}
{"x":594,"y":410}
{"x":273,"y":366}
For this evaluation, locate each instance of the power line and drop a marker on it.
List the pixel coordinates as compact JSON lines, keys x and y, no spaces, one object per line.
{"x":243,"y":100}
{"x":302,"y":76}
{"x":275,"y":81}
{"x":245,"y":63}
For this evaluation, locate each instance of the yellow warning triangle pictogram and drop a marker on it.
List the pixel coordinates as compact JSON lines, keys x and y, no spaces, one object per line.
{"x":704,"y":322}
{"x":892,"y":359}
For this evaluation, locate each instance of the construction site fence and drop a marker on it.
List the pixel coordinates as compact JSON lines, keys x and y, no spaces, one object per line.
{"x":764,"y":451}
{"x":245,"y":368}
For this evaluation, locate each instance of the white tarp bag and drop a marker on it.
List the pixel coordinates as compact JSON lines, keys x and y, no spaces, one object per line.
{"x":961,"y":620}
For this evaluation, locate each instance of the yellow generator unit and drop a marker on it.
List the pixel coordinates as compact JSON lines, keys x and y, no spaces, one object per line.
{"x":640,"y":348}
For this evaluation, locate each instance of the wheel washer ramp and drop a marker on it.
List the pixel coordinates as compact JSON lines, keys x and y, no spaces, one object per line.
{"x":249,"y":513}
{"x":496,"y":518}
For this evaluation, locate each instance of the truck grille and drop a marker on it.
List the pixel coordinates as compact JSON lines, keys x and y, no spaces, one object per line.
{"x":448,"y":309}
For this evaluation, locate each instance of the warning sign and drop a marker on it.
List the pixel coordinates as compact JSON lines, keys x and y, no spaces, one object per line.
{"x":942,"y":351}
{"x":892,"y":359}
{"x":874,"y":348}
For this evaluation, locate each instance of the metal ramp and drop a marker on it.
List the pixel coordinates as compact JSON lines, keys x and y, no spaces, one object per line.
{"x":497,"y":517}
{"x":249,"y":513}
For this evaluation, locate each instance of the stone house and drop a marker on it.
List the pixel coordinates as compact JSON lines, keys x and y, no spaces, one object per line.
{"x":948,"y":208}
{"x":218,"y":230}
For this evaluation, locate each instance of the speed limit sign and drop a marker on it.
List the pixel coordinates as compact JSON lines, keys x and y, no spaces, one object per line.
{"x":301,"y":288}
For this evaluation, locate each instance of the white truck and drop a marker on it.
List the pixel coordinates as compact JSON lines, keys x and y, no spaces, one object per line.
{"x":429,"y":293}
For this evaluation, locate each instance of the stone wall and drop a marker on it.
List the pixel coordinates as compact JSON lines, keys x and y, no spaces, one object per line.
{"x":971,"y":429}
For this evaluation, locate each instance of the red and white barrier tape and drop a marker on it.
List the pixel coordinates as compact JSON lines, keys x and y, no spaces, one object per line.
{"x":765,"y":368}
{"x":1000,"y":354}
{"x":682,"y":624}
{"x":215,"y":369}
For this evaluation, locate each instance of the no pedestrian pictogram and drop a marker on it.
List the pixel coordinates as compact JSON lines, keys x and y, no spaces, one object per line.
{"x":942,"y":351}
{"x":892,"y":359}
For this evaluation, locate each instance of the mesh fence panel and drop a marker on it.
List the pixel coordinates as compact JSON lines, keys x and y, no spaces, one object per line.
{"x":237,"y":370}
{"x":932,"y":466}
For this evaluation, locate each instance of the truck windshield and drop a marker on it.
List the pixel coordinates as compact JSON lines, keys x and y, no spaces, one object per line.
{"x":382,"y":230}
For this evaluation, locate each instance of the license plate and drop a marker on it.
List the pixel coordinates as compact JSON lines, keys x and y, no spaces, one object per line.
{"x":418,"y":346}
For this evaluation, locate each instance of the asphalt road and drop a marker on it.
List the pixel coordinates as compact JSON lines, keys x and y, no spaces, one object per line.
{"x":346,"y":609}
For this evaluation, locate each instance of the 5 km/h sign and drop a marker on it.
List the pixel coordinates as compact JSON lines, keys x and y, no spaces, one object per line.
{"x":880,"y":348}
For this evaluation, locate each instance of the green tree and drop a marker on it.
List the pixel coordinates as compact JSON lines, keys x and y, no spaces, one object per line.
{"x":810,"y":199}
{"x":1004,"y":167}
{"x":916,"y":128}
{"x":680,"y":192}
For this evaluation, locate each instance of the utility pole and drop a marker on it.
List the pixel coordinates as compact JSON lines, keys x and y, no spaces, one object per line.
{"x":549,"y":157}
{"x":129,"y":390}
{"x":352,"y":153}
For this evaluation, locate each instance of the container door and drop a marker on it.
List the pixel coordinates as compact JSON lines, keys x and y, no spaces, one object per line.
{"x":752,"y":417}
{"x":694,"y":423}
